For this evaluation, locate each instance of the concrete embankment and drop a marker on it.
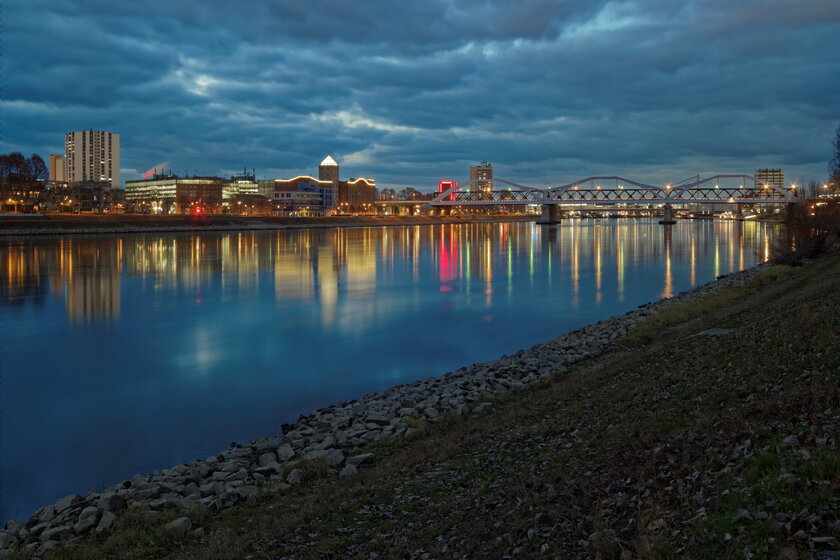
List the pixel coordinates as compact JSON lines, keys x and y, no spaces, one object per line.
{"x":334,"y":437}
{"x":74,"y":224}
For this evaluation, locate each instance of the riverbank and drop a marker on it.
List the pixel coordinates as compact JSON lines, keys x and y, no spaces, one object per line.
{"x":633,"y":435}
{"x":74,"y":224}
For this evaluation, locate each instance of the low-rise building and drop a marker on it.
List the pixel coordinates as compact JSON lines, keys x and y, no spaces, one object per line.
{"x":356,"y":196}
{"x":302,"y":196}
{"x":244,"y":184}
{"x":170,"y":194}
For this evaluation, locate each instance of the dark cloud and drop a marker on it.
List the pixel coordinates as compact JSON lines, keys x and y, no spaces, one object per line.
{"x":409,"y":92}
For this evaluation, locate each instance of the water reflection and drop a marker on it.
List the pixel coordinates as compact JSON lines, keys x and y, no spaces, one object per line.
{"x":181,"y":343}
{"x":328,"y":266}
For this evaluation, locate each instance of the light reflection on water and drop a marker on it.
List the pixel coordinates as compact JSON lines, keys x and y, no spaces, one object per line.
{"x":125,"y":354}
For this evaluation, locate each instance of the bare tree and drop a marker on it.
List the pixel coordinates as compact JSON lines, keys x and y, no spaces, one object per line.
{"x":408,"y":193}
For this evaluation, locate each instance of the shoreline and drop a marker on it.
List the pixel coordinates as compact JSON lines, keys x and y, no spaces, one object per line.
{"x":334,"y":435}
{"x":62,"y":225}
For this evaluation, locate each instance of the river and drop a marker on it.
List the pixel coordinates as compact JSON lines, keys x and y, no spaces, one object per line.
{"x":130,"y":353}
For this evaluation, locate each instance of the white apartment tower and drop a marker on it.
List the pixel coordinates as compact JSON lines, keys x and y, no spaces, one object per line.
{"x":92,"y":155}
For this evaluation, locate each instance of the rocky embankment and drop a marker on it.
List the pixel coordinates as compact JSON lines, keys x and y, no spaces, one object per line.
{"x":331,"y":436}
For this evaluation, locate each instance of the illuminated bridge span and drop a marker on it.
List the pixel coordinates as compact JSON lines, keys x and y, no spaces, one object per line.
{"x":613,"y":190}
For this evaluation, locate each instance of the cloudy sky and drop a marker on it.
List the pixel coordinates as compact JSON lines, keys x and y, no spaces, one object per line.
{"x":411,"y":92}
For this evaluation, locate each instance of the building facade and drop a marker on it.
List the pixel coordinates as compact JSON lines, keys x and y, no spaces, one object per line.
{"x":328,"y":171}
{"x":773,"y":177}
{"x":92,"y":155}
{"x":356,"y":196}
{"x":170,"y":194}
{"x":301,"y":196}
{"x":57,"y":170}
{"x":239,"y":185}
{"x":481,"y":177}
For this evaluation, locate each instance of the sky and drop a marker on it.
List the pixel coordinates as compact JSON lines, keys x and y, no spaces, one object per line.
{"x":412,"y":92}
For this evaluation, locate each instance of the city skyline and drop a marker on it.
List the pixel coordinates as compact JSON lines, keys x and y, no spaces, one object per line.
{"x":415,"y":95}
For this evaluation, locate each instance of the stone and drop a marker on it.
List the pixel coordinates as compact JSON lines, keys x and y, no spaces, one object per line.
{"x":285,"y":452}
{"x":362,"y":459}
{"x":432,"y":413}
{"x":66,"y":502}
{"x":741,"y":514}
{"x":267,"y":470}
{"x":179,"y":526}
{"x":106,"y":522}
{"x":191,"y":490}
{"x":7,"y":540}
{"x":57,"y":533}
{"x":268,"y":443}
{"x":348,"y":471}
{"x":247,"y":491}
{"x":228,"y":498}
{"x":481,"y":407}
{"x":714,"y":332}
{"x":791,"y":440}
{"x":327,"y":443}
{"x":87,"y":520}
{"x":378,"y":418}
{"x":45,"y":514}
{"x":267,"y":459}
{"x":333,"y":457}
{"x":294,"y":477}
{"x":111,"y":502}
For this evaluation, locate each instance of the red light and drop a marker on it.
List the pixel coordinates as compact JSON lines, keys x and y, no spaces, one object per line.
{"x":444,"y":186}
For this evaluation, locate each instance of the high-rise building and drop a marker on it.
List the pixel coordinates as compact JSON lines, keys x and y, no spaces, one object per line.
{"x":773,"y":177}
{"x":92,"y":156}
{"x":481,"y":177}
{"x":57,"y":174}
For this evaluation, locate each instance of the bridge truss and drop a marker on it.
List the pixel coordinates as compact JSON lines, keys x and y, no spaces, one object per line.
{"x":614,"y":190}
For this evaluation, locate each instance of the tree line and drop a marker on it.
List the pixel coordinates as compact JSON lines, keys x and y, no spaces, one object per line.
{"x":18,"y":170}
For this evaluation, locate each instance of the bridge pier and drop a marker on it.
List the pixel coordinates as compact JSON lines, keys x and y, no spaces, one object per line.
{"x":739,"y":213}
{"x":550,"y":214}
{"x":668,"y":215}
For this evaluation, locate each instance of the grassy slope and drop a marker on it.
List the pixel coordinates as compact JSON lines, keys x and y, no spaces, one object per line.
{"x":679,"y":447}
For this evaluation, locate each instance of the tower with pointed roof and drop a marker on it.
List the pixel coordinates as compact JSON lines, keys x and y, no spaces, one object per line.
{"x":328,"y":171}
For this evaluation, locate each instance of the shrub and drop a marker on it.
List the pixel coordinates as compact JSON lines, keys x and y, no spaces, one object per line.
{"x":806,"y":234}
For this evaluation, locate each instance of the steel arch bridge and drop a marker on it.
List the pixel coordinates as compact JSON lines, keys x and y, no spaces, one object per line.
{"x":590,"y":191}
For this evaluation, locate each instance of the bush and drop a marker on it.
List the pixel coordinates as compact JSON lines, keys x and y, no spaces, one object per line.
{"x":807,"y":231}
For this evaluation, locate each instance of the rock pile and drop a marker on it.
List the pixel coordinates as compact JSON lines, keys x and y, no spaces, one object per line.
{"x":329,"y":436}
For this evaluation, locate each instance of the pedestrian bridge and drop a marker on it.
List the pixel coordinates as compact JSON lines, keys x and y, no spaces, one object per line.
{"x":612,"y":190}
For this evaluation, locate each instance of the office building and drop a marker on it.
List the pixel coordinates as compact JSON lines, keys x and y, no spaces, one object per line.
{"x":481,"y":177}
{"x":243,"y":185}
{"x":170,"y":194}
{"x":57,"y":171}
{"x":356,"y":196}
{"x":92,"y":156}
{"x":301,"y":196}
{"x":773,"y":177}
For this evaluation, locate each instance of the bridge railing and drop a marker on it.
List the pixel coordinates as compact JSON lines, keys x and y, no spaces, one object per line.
{"x":626,"y":191}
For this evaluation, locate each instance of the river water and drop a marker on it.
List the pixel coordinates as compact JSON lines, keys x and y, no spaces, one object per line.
{"x":130,"y":353}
